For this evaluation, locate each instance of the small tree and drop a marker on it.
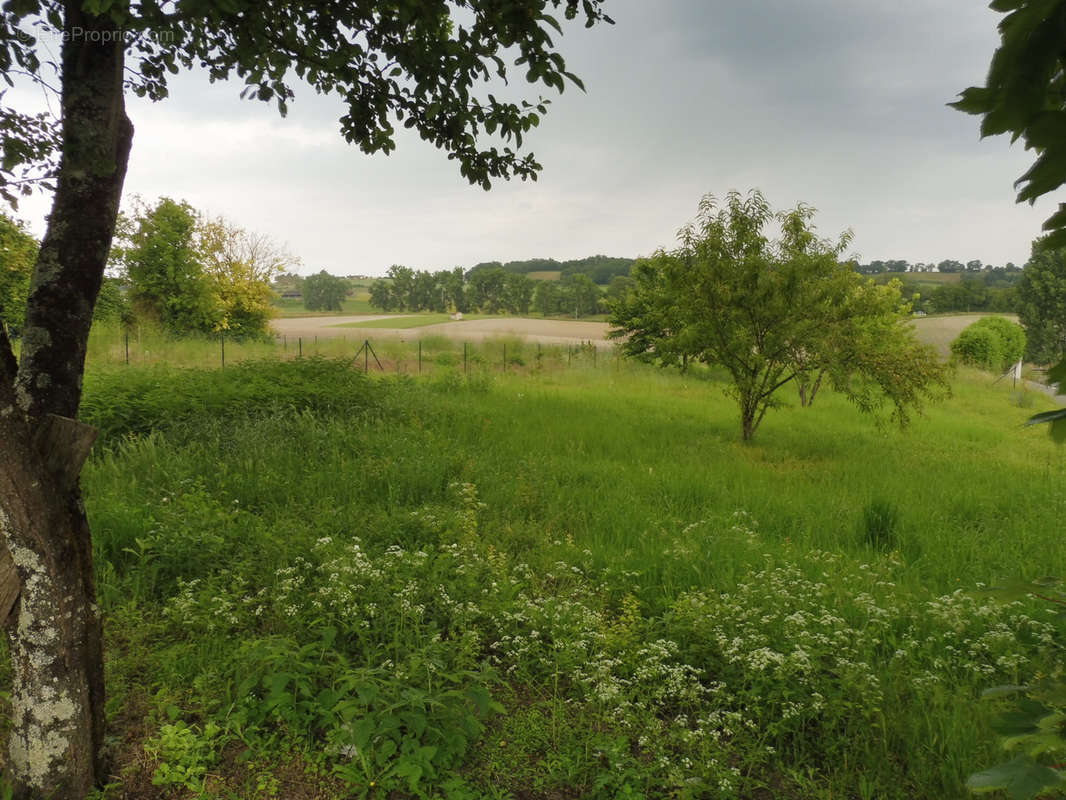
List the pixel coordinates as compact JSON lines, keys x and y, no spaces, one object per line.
{"x":546,"y":298}
{"x":518,"y":292}
{"x":381,"y":295}
{"x":198,"y":275}
{"x":166,"y":274}
{"x":582,"y":294}
{"x":771,"y":312}
{"x":1042,"y":303}
{"x":239,"y":266}
{"x":324,"y":292}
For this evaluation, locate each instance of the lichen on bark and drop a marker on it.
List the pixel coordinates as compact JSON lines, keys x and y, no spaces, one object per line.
{"x":44,"y":712}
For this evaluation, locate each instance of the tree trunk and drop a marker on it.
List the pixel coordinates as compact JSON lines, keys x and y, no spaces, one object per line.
{"x":747,"y":419}
{"x":55,"y":630}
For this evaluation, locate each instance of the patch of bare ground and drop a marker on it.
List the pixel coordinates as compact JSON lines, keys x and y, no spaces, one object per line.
{"x":546,"y":331}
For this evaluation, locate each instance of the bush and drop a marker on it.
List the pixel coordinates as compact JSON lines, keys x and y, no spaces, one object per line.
{"x":991,"y":343}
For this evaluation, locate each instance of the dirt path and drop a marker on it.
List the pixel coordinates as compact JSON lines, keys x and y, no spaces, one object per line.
{"x":321,"y":326}
{"x":545,"y":331}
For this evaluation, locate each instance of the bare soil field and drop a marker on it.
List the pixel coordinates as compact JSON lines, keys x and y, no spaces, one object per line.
{"x":937,"y":331}
{"x":545,"y":331}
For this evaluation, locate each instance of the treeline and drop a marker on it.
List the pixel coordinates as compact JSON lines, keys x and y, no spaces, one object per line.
{"x":601,"y":269}
{"x":948,"y":265}
{"x":490,"y":290}
{"x":982,"y":291}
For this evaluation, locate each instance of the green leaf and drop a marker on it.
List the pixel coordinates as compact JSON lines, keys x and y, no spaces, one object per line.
{"x":362,"y":731}
{"x":1001,"y":691}
{"x":1047,"y":130}
{"x":1057,"y":374}
{"x":975,"y":100}
{"x":386,"y":751}
{"x":1022,"y":778}
{"x":410,"y":770}
{"x":1046,"y":416}
{"x":1046,"y":174}
{"x":1024,"y":718}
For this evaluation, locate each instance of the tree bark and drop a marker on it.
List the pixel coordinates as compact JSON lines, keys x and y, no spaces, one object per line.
{"x":55,"y":628}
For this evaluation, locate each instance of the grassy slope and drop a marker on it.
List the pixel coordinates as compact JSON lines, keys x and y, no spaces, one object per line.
{"x":609,"y":522}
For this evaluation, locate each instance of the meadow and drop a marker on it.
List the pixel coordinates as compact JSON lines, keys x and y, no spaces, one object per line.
{"x":556,"y":583}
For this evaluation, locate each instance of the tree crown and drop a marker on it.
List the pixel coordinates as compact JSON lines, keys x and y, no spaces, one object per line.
{"x":391,"y":61}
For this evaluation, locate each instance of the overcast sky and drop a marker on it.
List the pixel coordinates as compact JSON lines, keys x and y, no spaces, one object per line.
{"x":836,"y":103}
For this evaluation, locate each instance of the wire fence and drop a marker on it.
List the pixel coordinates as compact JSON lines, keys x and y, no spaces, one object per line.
{"x":411,"y":356}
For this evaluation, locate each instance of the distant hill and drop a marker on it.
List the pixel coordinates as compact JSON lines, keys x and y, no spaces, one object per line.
{"x":600,"y":268}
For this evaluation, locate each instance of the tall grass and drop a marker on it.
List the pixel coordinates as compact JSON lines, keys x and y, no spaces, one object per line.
{"x":559,"y":582}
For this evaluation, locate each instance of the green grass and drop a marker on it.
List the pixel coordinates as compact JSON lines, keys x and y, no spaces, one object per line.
{"x":557,"y":583}
{"x":359,"y":304}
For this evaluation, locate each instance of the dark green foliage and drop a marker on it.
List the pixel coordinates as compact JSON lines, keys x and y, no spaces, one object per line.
{"x":324,"y":292}
{"x":137,"y":402}
{"x":412,"y":63}
{"x":991,"y":343}
{"x":111,"y":303}
{"x":1042,"y":303}
{"x":166,"y":275}
{"x":1025,"y":95}
{"x":972,"y":293}
{"x":601,"y":269}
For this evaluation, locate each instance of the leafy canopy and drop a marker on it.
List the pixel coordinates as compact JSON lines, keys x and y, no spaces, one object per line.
{"x":1025,"y":96}
{"x":1042,"y":303}
{"x":773,"y":311}
{"x":18,"y":252}
{"x":324,"y":292}
{"x":391,"y":61}
{"x":991,"y":343}
{"x":194,"y":274}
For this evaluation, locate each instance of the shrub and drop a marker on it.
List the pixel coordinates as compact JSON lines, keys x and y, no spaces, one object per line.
{"x":991,"y":343}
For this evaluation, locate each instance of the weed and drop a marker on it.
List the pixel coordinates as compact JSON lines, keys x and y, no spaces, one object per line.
{"x":879,"y":526}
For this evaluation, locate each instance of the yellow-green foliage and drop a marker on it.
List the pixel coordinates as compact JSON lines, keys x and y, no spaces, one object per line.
{"x":18,"y":252}
{"x":992,"y":343}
